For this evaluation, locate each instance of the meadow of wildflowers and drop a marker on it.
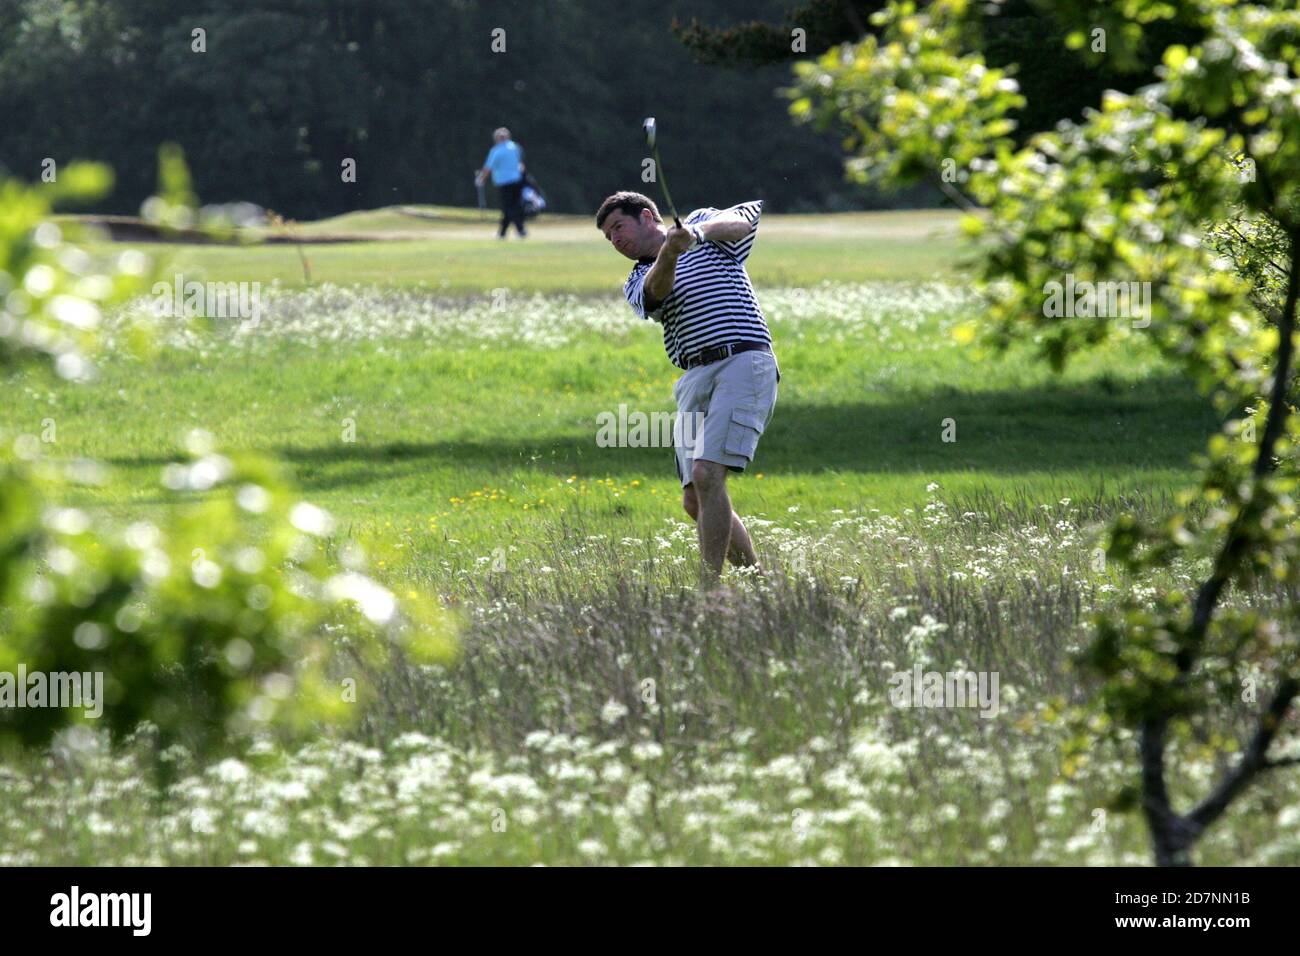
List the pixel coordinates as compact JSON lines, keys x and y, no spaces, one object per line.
{"x":601,"y":710}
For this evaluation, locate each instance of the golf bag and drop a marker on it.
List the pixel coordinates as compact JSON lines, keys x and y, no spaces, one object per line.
{"x":532,"y":198}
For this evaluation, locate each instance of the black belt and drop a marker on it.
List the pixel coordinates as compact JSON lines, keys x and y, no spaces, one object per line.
{"x":718,"y":353}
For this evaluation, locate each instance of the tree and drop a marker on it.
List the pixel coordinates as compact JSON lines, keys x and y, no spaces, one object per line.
{"x":216,"y":623}
{"x":1134,"y":193}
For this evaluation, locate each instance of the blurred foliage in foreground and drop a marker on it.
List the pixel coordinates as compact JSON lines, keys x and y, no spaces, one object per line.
{"x":216,"y":623}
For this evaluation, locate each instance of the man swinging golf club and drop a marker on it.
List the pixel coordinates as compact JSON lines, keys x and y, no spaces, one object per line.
{"x":691,"y":278}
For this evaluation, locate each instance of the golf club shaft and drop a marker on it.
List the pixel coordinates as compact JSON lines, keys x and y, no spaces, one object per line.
{"x":663,"y":184}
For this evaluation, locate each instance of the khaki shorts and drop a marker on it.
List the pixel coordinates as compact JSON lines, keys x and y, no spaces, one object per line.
{"x":722,"y":409}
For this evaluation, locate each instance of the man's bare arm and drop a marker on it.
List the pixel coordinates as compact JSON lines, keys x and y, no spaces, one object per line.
{"x":731,"y":228}
{"x":659,"y":280}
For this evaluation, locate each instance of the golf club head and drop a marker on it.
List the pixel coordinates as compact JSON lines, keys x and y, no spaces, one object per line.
{"x":649,"y":127}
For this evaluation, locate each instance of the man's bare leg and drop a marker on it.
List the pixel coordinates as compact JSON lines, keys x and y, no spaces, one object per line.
{"x":741,"y":552}
{"x":715,"y":518}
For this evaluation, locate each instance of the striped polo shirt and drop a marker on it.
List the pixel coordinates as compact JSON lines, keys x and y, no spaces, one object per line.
{"x":712,"y":302}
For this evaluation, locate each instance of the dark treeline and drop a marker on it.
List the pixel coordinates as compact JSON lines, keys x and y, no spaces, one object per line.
{"x":410,"y":89}
{"x":1027,"y":37}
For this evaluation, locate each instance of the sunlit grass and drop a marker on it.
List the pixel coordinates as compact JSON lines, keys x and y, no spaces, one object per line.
{"x":452,"y":429}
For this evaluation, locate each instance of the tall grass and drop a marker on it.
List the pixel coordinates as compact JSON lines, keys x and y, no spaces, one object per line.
{"x":767,"y":735}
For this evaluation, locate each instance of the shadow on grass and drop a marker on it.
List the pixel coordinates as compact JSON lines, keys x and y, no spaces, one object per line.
{"x":1157,"y":424}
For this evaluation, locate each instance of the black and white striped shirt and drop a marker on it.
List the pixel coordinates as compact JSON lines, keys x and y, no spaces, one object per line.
{"x":712,"y":301}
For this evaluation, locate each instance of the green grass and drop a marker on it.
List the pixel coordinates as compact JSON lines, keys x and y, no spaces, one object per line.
{"x":475,"y":474}
{"x":567,"y":254}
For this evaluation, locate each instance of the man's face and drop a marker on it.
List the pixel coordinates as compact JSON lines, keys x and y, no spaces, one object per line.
{"x":634,"y":236}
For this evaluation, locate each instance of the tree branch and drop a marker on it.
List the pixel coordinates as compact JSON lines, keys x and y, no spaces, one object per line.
{"x":1173,"y":835}
{"x":1236,"y":539}
{"x":1276,"y":764}
{"x":1268,"y":259}
{"x":1252,"y":761}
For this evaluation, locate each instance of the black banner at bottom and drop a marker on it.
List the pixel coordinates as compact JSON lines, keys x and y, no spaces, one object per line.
{"x":338,"y":905}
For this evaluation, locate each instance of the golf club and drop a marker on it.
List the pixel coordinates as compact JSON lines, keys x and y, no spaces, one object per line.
{"x":478,"y":185}
{"x":650,"y":140}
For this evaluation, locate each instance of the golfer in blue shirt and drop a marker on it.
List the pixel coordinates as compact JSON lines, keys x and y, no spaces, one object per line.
{"x":505,"y":163}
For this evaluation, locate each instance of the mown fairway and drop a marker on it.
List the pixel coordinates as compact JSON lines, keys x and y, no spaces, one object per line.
{"x":440,"y":397}
{"x":458,"y":253}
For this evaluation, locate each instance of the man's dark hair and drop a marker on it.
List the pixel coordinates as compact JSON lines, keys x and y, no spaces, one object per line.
{"x":628,"y":203}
